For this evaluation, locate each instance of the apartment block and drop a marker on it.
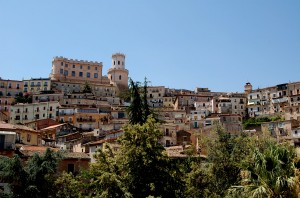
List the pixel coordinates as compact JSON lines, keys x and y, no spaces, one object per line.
{"x":21,"y":113}
{"x":10,"y":87}
{"x":37,"y":85}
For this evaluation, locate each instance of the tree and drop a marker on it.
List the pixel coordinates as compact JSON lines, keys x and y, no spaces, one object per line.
{"x":35,"y":179}
{"x":270,"y":172}
{"x":135,"y":110}
{"x":87,"y":88}
{"x":222,"y":170}
{"x":68,"y":186}
{"x":107,"y":176}
{"x":145,"y":165}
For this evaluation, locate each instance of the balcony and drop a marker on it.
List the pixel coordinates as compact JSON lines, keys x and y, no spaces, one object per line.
{"x":86,"y":120}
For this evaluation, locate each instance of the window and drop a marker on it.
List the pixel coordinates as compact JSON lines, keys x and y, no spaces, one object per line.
{"x":66,"y":65}
{"x":80,"y":74}
{"x":73,"y":66}
{"x":80,"y":67}
{"x":61,"y":71}
{"x":28,"y":137}
{"x":70,"y":168}
{"x":167,"y":132}
{"x":73,"y":73}
{"x":89,"y":67}
{"x":120,"y":77}
{"x":95,"y":75}
{"x":66,"y":73}
{"x":96,"y":68}
{"x":118,"y":62}
{"x":88,"y":75}
{"x":114,"y":62}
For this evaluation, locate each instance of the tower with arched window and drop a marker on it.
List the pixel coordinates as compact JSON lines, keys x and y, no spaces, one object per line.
{"x":117,"y":74}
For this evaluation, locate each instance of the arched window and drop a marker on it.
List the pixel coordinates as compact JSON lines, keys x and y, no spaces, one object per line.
{"x":120,"y":77}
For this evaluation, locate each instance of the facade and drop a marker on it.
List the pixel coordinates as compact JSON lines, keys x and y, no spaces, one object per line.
{"x":155,"y":96}
{"x":5,"y":103}
{"x":64,"y":69}
{"x":21,"y":113}
{"x":37,"y":85}
{"x":10,"y":87}
{"x":24,"y":135}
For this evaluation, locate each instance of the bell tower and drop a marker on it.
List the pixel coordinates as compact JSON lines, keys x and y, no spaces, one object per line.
{"x":117,"y":74}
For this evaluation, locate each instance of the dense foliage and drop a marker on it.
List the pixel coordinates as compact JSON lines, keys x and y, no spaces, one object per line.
{"x":256,"y":121}
{"x":33,"y":179}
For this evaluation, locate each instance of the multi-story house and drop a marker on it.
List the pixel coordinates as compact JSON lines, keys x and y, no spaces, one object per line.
{"x":169,"y":135}
{"x":155,"y":96}
{"x":37,"y":85}
{"x":5,"y":103}
{"x":282,"y":130}
{"x":24,"y":135}
{"x":254,"y":103}
{"x":20,"y":113}
{"x":88,"y":118}
{"x":238,"y":103}
{"x":10,"y":87}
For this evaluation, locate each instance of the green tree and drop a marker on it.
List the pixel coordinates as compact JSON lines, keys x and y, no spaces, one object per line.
{"x":270,"y":172}
{"x":222,"y":170}
{"x":107,"y":176}
{"x":68,"y":186}
{"x":86,"y":88}
{"x":145,"y":165}
{"x":34,"y":179}
{"x":135,"y":110}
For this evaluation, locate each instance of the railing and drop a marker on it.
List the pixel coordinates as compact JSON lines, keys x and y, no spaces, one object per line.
{"x":86,"y":120}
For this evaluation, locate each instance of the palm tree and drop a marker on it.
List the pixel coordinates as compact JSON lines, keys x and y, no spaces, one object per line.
{"x":270,"y":173}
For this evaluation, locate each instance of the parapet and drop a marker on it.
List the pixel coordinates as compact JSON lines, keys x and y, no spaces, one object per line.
{"x":75,"y":61}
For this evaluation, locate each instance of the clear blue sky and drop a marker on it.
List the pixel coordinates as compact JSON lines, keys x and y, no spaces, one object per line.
{"x":178,"y":44}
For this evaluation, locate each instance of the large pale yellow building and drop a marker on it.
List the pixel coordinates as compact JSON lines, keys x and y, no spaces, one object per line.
{"x":36,"y":85}
{"x":21,"y":113}
{"x":10,"y":87}
{"x":77,"y":70}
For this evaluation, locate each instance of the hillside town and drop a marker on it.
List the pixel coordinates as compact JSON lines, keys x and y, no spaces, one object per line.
{"x":79,"y":108}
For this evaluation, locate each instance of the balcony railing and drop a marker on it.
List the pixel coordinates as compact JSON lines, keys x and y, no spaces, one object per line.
{"x":86,"y":120}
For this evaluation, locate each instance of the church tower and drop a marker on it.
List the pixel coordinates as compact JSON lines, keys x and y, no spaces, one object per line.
{"x":117,"y":74}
